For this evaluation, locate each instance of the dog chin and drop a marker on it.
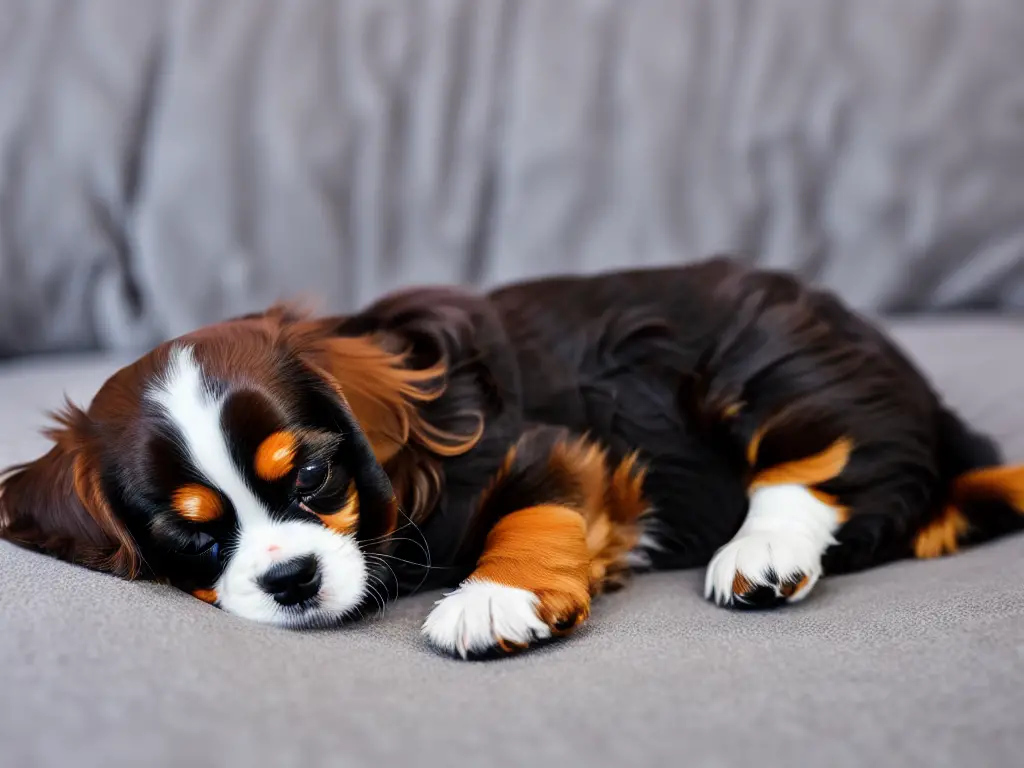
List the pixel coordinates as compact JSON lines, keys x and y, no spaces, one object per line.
{"x":314,"y":618}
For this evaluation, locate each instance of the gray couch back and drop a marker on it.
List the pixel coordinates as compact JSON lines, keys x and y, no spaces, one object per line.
{"x":165,"y":163}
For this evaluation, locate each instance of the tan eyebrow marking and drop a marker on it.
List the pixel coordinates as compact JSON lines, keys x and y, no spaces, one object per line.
{"x":275,"y":457}
{"x":197,"y":503}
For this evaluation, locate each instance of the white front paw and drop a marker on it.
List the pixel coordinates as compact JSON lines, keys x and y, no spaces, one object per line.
{"x":483,"y":616}
{"x":763,"y":568}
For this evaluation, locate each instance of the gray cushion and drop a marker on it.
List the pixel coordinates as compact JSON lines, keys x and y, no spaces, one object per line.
{"x":166,"y":162}
{"x":912,"y":664}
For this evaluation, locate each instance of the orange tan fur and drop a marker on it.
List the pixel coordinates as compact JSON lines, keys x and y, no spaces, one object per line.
{"x":941,"y":536}
{"x":206,"y":595}
{"x":583,"y":547}
{"x":790,"y":588}
{"x":346,"y":519}
{"x":614,"y":531}
{"x":544,"y":550}
{"x":275,"y":457}
{"x":385,"y":395}
{"x":1006,"y":483}
{"x":741,"y":584}
{"x":811,"y":471}
{"x":808,"y":472}
{"x":197,"y":503}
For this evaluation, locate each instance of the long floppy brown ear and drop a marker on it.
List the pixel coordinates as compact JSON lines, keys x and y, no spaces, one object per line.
{"x":386,"y":393}
{"x":56,"y":504}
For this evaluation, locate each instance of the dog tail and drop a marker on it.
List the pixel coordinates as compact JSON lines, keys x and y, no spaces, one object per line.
{"x":983,"y":499}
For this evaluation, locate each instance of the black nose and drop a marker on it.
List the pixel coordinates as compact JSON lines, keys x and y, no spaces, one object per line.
{"x":292,"y":581}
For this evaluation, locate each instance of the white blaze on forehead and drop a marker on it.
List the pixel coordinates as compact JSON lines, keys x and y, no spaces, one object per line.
{"x":197,"y":415}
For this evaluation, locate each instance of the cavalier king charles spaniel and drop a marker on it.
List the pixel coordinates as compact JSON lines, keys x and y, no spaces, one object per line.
{"x":527,"y":448}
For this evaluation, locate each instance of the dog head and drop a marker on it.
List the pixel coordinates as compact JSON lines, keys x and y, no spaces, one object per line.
{"x":232,"y":463}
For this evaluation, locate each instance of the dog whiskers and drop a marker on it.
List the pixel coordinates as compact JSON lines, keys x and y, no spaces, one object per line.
{"x":377,"y":558}
{"x":410,"y":541}
{"x":377,"y":599}
{"x":385,"y":536}
{"x":412,"y":562}
{"x":426,"y":549}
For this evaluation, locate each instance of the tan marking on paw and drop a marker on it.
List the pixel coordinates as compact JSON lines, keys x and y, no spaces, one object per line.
{"x":542,"y":550}
{"x":941,"y":536}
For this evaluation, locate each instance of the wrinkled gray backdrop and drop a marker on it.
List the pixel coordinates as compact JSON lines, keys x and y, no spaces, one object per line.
{"x":165,"y":163}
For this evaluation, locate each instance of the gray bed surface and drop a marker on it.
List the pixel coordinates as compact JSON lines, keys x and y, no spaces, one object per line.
{"x":917,"y":663}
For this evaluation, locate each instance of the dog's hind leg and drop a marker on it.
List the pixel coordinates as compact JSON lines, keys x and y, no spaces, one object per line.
{"x":838,"y":432}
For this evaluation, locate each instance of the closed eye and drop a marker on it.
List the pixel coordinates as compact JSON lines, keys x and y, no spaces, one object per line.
{"x":202,"y":545}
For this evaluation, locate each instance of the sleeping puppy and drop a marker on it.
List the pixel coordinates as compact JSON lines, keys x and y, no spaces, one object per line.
{"x":528,"y":449}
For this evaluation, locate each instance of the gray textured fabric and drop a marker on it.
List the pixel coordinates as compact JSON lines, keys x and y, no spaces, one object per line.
{"x":912,"y":664}
{"x":164,"y":163}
